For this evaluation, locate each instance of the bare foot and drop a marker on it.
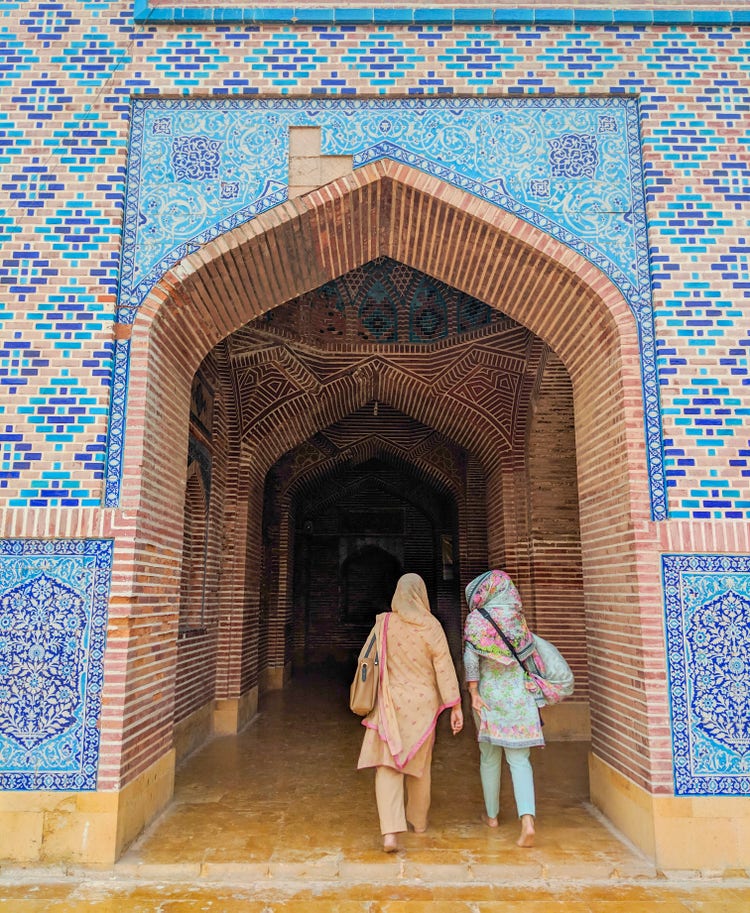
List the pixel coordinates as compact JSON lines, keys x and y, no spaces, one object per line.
{"x":527,"y":831}
{"x":390,"y":843}
{"x":490,"y":822}
{"x":417,"y":830}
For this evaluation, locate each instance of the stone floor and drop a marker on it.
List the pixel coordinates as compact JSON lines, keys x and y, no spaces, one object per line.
{"x":278,"y":819}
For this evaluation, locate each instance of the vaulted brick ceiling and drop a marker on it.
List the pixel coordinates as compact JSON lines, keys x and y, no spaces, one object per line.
{"x":440,"y":358}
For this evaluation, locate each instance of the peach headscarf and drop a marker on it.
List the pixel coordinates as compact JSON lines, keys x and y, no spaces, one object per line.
{"x":410,"y":599}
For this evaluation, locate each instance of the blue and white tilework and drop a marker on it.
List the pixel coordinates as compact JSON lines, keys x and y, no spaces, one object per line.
{"x":707,"y":603}
{"x":200,"y":167}
{"x":570,"y":166}
{"x":68,"y":72}
{"x":53,"y":621}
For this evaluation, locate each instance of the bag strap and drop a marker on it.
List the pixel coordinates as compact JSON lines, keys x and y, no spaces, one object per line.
{"x":370,"y":645}
{"x":507,"y":643}
{"x":512,"y":649}
{"x":379,"y":629}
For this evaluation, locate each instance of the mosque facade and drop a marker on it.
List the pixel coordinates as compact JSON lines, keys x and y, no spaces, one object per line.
{"x":295,"y":300}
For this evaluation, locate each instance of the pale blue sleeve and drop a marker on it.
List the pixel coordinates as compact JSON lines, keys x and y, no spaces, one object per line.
{"x":471,"y":664}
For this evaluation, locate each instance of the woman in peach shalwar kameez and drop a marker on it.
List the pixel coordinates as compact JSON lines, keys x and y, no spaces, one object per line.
{"x":417,"y":682}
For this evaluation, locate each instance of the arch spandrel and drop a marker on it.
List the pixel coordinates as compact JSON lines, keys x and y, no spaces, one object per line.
{"x":603,"y":246}
{"x":578,"y":312}
{"x":201,"y":167}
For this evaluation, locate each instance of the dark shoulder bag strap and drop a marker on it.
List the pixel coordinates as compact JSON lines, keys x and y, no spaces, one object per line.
{"x":507,"y":643}
{"x":371,"y":645}
{"x":512,"y":649}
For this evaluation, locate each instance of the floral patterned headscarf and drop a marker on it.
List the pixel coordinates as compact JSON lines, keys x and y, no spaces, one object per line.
{"x":496,"y":593}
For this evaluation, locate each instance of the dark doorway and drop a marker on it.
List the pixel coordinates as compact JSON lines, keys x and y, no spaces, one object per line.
{"x":356,"y":533}
{"x":369,"y":578}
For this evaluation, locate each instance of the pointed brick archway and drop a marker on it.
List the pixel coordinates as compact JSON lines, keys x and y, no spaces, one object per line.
{"x":381,"y":210}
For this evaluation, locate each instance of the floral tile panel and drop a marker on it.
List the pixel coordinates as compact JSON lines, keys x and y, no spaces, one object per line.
{"x":53,"y":621}
{"x":707,"y":602}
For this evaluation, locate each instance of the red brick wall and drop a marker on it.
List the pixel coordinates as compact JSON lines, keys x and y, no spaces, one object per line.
{"x":197,"y":645}
{"x":555,"y":537}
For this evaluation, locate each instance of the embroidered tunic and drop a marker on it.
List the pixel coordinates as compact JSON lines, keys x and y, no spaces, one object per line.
{"x":418,"y":681}
{"x":512,"y":719}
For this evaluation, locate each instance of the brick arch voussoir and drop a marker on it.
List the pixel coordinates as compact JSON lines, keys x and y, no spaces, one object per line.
{"x":390,"y":209}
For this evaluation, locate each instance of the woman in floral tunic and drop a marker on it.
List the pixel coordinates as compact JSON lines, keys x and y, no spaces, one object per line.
{"x":502,"y":695}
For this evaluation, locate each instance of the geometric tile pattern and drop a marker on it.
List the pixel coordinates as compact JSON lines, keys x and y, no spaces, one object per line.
{"x":707,"y":607}
{"x":53,"y":623}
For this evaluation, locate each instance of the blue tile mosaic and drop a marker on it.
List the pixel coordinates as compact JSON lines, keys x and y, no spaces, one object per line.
{"x":53,"y":621}
{"x":495,"y":148}
{"x":69,"y":68}
{"x":571,"y":166}
{"x":116,"y":429}
{"x":707,"y":612}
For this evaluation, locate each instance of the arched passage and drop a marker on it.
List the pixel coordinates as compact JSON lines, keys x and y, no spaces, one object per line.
{"x":356,"y":528}
{"x":386,"y":210}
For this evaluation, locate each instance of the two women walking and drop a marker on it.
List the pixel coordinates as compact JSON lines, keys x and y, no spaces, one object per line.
{"x":418,"y":681}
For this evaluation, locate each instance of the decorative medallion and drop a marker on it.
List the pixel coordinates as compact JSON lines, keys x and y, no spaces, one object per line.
{"x":573,"y":155}
{"x":196,"y":158}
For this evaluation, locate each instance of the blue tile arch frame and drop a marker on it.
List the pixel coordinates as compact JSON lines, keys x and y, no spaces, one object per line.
{"x":54,"y":596}
{"x":707,"y":616}
{"x":199,"y":167}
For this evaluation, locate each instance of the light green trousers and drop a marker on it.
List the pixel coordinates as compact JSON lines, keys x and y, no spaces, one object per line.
{"x":490,"y":769}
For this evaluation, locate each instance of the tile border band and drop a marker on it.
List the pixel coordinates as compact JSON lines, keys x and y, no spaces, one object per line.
{"x":145,"y":13}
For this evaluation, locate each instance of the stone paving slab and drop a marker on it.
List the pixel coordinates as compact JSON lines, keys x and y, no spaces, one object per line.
{"x":112,"y":895}
{"x":276,"y":820}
